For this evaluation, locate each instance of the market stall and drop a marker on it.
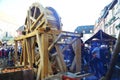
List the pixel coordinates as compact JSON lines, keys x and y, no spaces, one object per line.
{"x":101,"y":37}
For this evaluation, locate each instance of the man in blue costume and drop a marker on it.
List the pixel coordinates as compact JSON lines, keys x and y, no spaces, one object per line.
{"x":96,"y":63}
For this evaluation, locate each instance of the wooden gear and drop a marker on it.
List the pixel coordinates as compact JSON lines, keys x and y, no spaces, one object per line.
{"x":43,"y":28}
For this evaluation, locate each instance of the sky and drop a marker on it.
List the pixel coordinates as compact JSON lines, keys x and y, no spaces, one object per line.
{"x":73,"y":13}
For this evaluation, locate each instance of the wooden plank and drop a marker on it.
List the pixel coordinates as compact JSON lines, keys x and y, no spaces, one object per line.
{"x":16,"y":49}
{"x":44,"y":40}
{"x":25,"y":58}
{"x":77,"y":51}
{"x":65,"y":35}
{"x":55,"y":41}
{"x":40,"y":30}
{"x":84,"y":75}
{"x":25,"y":36}
{"x":39,"y":72}
{"x":29,"y":52}
{"x":32,"y":19}
{"x":38,"y":19}
{"x":32,"y":34}
{"x":59,"y":63}
{"x":50,"y":68}
{"x":60,"y":55}
{"x":28,"y":18}
{"x":73,"y":65}
{"x":34,"y":12}
{"x":33,"y":49}
{"x":40,"y":67}
{"x":43,"y":51}
{"x":21,"y":57}
{"x":67,"y":46}
{"x":41,"y":24}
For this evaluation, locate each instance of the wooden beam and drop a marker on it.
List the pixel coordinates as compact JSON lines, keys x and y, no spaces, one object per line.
{"x":16,"y":49}
{"x":40,"y":31}
{"x":64,"y":34}
{"x":77,"y":51}
{"x":29,"y":51}
{"x":28,"y":18}
{"x":32,"y":19}
{"x":43,"y":51}
{"x":56,"y":40}
{"x":41,"y":24}
{"x":25,"y":58}
{"x":40,"y":67}
{"x":59,"y":63}
{"x":60,"y":55}
{"x":50,"y":72}
{"x":67,"y":46}
{"x":32,"y":34}
{"x":34,"y":12}
{"x":38,"y":19}
{"x":33,"y":49}
{"x":73,"y":65}
{"x":39,"y":72}
{"x":44,"y":41}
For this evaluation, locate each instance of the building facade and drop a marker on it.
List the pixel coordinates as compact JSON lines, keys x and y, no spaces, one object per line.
{"x":87,"y":31}
{"x":109,"y":20}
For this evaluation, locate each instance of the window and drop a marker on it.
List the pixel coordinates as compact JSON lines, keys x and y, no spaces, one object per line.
{"x":83,"y":31}
{"x":91,"y":31}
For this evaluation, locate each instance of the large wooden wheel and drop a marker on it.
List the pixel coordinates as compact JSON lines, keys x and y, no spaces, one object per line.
{"x":35,"y":49}
{"x":38,"y":13}
{"x":44,"y":32}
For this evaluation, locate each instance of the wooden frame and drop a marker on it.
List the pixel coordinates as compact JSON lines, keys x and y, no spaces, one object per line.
{"x":40,"y":34}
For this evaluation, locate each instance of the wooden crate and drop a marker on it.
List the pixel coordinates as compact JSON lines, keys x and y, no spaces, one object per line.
{"x":18,"y":75}
{"x":12,"y":76}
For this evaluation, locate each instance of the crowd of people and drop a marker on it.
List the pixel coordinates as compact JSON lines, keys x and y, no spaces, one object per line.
{"x":6,"y":55}
{"x":97,"y":58}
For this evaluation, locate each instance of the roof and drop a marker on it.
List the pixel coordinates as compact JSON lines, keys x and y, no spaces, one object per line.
{"x":21,"y":28}
{"x":86,"y":28}
{"x":101,"y":36}
{"x":113,"y":4}
{"x":107,"y":8}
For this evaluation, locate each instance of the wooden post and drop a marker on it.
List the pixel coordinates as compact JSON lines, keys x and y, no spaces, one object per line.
{"x":77,"y":58}
{"x":59,"y":63}
{"x":16,"y":48}
{"x":73,"y":64}
{"x":42,"y":41}
{"x":64,"y":68}
{"x":29,"y":21}
{"x":33,"y":49}
{"x":24,"y":53}
{"x":29,"y":51}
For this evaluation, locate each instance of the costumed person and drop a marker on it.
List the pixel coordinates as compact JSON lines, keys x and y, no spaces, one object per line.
{"x":105,"y":55}
{"x":96,"y":63}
